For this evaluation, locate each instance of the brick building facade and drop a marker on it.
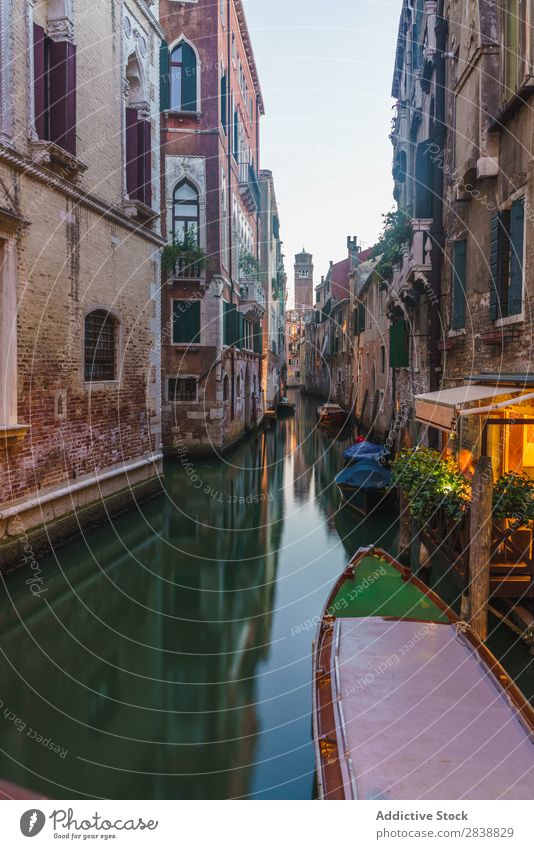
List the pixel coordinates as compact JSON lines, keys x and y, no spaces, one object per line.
{"x":79,"y":266}
{"x":211,"y":310}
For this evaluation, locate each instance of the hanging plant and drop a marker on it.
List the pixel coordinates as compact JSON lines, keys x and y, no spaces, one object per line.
{"x":430,"y":482}
{"x":396,"y":233}
{"x":184,"y":255}
{"x":248,"y":264}
{"x":513,"y":499}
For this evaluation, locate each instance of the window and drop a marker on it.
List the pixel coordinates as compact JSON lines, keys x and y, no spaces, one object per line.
{"x":399,"y":344}
{"x":185,"y":212}
{"x":224,"y":102}
{"x":100,"y":346}
{"x":424,"y":180}
{"x":186,"y":322}
{"x":138,"y":158}
{"x":238,"y":386}
{"x":226,"y":388}
{"x":459,"y":284}
{"x":54,"y":90}
{"x":182,"y":390}
{"x":222,"y":10}
{"x":383,"y":358}
{"x":507,"y":262}
{"x":183,"y":76}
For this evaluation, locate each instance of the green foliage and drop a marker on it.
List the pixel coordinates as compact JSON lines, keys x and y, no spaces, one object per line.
{"x":248,"y":264}
{"x":187,"y":251}
{"x":396,"y":232}
{"x":513,"y":498}
{"x":428,"y":481}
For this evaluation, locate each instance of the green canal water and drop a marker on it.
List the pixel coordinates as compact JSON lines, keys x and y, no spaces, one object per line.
{"x":170,"y":656}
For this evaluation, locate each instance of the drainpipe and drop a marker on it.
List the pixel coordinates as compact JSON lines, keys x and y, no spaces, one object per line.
{"x":436,"y":232}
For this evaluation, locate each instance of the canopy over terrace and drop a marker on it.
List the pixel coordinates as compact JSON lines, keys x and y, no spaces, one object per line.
{"x":490,"y":399}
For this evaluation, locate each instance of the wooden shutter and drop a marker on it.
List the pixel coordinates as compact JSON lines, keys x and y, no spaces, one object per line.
{"x":361,"y":317}
{"x":517,"y":231}
{"x":132,"y":153}
{"x":62,"y":88}
{"x":39,"y":81}
{"x":224,"y":102}
{"x":189,"y":78}
{"x":258,"y":339}
{"x":164,"y":77}
{"x":236,"y":135}
{"x":144,"y":162}
{"x":499,"y":265}
{"x":186,"y":322}
{"x":399,"y":348}
{"x":230,"y":323}
{"x":459,"y":285}
{"x":240,"y":334}
{"x":424,"y":173}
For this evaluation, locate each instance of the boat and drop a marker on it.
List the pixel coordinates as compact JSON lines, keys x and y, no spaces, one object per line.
{"x":408,"y":703}
{"x":286,"y":407}
{"x":365,"y":485}
{"x":269,"y":418}
{"x":364,"y":449}
{"x":332,"y":415}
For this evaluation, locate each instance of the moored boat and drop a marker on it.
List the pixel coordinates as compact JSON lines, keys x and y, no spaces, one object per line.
{"x":364,"y":485}
{"x":408,"y":703}
{"x":286,"y":407}
{"x":332,"y":415}
{"x":364,"y":449}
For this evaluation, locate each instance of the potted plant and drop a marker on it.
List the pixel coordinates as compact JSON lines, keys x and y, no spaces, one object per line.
{"x":431,"y":482}
{"x":183,"y":256}
{"x":513,"y":500}
{"x":248,"y":264}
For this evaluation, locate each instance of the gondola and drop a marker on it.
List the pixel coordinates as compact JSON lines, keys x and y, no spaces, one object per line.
{"x":408,"y":703}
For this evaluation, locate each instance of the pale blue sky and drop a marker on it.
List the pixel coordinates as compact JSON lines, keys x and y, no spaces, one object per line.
{"x":325,"y":68}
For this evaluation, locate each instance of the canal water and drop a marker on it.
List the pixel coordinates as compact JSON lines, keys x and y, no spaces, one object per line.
{"x":170,"y":656}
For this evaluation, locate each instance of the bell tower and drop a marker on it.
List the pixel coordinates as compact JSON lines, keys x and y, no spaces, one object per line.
{"x":303,"y":282}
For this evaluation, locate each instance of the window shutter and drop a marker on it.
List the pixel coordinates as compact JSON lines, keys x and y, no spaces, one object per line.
{"x":399,"y":349}
{"x":224,"y":102}
{"x":361,"y":317}
{"x":145,"y":162}
{"x":230,"y":324}
{"x":39,"y":80}
{"x":132,"y":153}
{"x":494,"y":267}
{"x":258,"y":339}
{"x":189,"y":78}
{"x":517,"y":230}
{"x":459,"y":285}
{"x":240,"y":335}
{"x":424,"y":174}
{"x":62,"y":92}
{"x":236,"y":136}
{"x":164,"y":77}
{"x":186,"y":322}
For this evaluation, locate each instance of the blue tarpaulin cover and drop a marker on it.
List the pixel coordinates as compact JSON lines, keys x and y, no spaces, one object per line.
{"x":368,"y":473}
{"x":364,"y":450}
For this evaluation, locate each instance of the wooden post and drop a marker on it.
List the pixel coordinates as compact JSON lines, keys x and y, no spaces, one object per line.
{"x":480,"y":546}
{"x":405,"y":539}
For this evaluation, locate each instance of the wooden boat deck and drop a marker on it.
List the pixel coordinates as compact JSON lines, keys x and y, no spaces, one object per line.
{"x":408,"y":703}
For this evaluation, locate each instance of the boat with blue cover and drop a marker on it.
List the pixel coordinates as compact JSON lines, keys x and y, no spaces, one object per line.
{"x":365,"y":485}
{"x":363,"y":450}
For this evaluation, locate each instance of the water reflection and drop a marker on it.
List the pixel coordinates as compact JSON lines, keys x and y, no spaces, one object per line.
{"x":170,"y":657}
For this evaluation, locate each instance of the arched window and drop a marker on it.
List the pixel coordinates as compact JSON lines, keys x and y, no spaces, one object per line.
{"x":238,"y":386}
{"x":185,"y":212}
{"x":226,"y":388}
{"x":100,"y":340}
{"x":184,"y":76}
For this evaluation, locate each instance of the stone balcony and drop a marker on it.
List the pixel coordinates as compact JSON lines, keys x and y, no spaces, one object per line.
{"x":252,"y":300}
{"x":411,"y":277}
{"x":249,"y":187}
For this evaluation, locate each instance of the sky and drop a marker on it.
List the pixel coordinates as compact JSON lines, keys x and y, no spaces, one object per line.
{"x":325,"y":69}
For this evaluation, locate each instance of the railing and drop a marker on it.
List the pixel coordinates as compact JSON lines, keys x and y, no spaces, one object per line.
{"x":186,"y":269}
{"x":248,"y":182}
{"x":253,"y":292}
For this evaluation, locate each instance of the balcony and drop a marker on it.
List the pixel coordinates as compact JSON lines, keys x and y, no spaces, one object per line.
{"x":252,"y":300}
{"x":249,"y":187}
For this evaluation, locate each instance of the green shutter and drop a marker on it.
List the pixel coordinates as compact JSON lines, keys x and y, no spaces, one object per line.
{"x":186,"y":322}
{"x":517,"y":230}
{"x":236,"y":136}
{"x":189,"y":78}
{"x":499,"y":264}
{"x":399,"y":347}
{"x":459,"y":285}
{"x":240,"y":330}
{"x":230,"y":323}
{"x":164,"y":77}
{"x":424,"y":180}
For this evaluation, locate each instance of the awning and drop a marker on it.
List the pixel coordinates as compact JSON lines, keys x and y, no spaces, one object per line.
{"x":440,"y":409}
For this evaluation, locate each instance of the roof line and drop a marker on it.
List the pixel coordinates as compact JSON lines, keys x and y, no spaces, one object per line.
{"x":241,"y":17}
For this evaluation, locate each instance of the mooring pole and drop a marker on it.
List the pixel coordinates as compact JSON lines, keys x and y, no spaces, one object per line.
{"x":480,"y":546}
{"x":405,"y":539}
